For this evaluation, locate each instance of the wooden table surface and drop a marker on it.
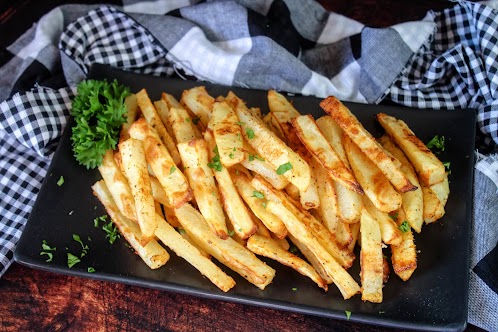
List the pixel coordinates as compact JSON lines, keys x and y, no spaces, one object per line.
{"x":33,"y":300}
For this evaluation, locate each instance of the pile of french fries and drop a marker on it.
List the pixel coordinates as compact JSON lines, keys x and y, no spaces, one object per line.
{"x":210,"y":177}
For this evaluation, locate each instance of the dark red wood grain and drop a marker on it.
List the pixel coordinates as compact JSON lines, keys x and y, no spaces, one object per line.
{"x":33,"y":300}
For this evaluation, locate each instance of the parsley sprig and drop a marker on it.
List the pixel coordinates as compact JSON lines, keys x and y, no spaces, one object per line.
{"x":99,"y":111}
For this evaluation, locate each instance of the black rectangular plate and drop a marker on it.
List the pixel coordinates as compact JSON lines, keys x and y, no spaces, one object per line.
{"x":435,"y":298}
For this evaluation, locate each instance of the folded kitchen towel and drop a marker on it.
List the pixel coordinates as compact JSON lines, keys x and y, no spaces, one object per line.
{"x":447,"y":60}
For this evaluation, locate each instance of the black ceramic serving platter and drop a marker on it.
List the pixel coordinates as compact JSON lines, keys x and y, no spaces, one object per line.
{"x":435,"y":298}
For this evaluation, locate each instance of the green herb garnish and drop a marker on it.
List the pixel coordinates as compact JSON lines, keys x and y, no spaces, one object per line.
{"x":72,"y":260}
{"x":250,"y":133}
{"x":258,"y":194}
{"x":215,"y":162}
{"x":240,"y":123}
{"x":231,"y":233}
{"x":404,"y":227}
{"x":112,"y":232}
{"x":172,"y":169}
{"x":348,"y":314}
{"x":284,"y":168}
{"x":436,"y":144}
{"x":84,"y":247}
{"x":60,"y":182}
{"x":90,"y":269}
{"x":99,"y":111}
{"x":394,"y":216}
{"x":47,"y":250}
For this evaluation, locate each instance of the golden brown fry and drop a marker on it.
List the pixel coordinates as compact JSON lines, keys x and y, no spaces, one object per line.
{"x":429,"y":168}
{"x":371,"y":259}
{"x":268,"y":247}
{"x":227,"y":134}
{"x":283,"y":159}
{"x":257,"y":203}
{"x":118,"y":186}
{"x":412,"y":201}
{"x":315,"y":142}
{"x":182,"y":125}
{"x":135,"y":170}
{"x":404,"y":255}
{"x":390,"y":232}
{"x":374,"y":183}
{"x":235,"y":208}
{"x":199,"y":102}
{"x":131,"y":115}
{"x":162,"y":110}
{"x":162,"y":165}
{"x":152,"y":253}
{"x":319,"y":231}
{"x":173,"y":240}
{"x":195,"y":159}
{"x":150,"y":114}
{"x":433,"y":206}
{"x":365,"y":141}
{"x":228,"y":252}
{"x":342,"y":279}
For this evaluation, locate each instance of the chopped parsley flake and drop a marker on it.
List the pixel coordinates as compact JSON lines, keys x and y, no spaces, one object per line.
{"x":258,"y":194}
{"x":172,"y":169}
{"x":84,"y":247}
{"x":240,"y":123}
{"x":90,"y":269}
{"x":231,"y":233}
{"x":47,"y":250}
{"x":404,"y":227}
{"x":394,"y":216}
{"x":72,"y":260}
{"x":215,"y":162}
{"x":294,"y":289}
{"x":250,"y":133}
{"x":60,"y":182}
{"x":284,"y":168}
{"x":348,"y":314}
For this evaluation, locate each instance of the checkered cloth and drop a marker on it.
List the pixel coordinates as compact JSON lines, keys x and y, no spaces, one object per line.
{"x":447,"y":60}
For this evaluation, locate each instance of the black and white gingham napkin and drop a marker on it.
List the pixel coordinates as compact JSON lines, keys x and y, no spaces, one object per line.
{"x":447,"y":60}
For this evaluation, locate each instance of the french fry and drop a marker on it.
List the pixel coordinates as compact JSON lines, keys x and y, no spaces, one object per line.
{"x":442,"y":190}
{"x":257,"y":164}
{"x":283,"y":110}
{"x":131,"y":115}
{"x":170,"y":216}
{"x":341,"y":278}
{"x":268,"y":247}
{"x":272,"y":149}
{"x":153,"y":254}
{"x":365,"y":141}
{"x":355,"y":233}
{"x":182,"y":125}
{"x":235,"y":208}
{"x":163,"y":166}
{"x":433,"y":206}
{"x":371,"y":260}
{"x":311,"y":136}
{"x":228,"y":252}
{"x":135,"y":170}
{"x":404,"y":255}
{"x":412,"y":201}
{"x":390,"y":232}
{"x":227,"y":134}
{"x":319,"y":231}
{"x":328,"y":210}
{"x":171,"y":101}
{"x":173,"y":240}
{"x":429,"y":168}
{"x":372,"y":180}
{"x":162,"y":110}
{"x":199,"y":102}
{"x":118,"y":186}
{"x":194,"y":156}
{"x":257,"y":204}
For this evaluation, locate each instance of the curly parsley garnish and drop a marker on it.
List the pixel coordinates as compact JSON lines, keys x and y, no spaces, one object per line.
{"x":436,"y":144}
{"x":99,"y":111}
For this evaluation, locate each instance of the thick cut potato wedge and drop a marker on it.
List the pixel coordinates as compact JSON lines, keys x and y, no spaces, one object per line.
{"x":429,"y":168}
{"x":412,"y":201}
{"x":183,"y":248}
{"x":376,"y":186}
{"x":228,"y":251}
{"x":182,"y":125}
{"x":283,"y":110}
{"x":150,"y":114}
{"x":162,"y":110}
{"x":131,"y":115}
{"x":404,"y":255}
{"x":366,"y":142}
{"x":135,"y":170}
{"x":195,"y":159}
{"x":266,"y":143}
{"x":235,"y":208}
{"x":371,"y":259}
{"x":227,"y":134}
{"x":311,"y":136}
{"x":118,"y":186}
{"x":152,"y":253}
{"x":433,"y":206}
{"x":270,"y":248}
{"x":390,"y":232}
{"x":199,"y":102}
